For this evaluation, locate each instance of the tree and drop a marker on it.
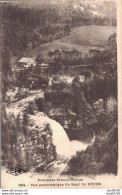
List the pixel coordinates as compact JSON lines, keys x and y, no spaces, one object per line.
{"x":68,"y":29}
{"x":6,"y":57}
{"x":6,"y":68}
{"x":40,"y":58}
{"x":112,"y":44}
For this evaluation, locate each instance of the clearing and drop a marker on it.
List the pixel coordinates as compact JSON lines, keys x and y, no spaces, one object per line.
{"x":81,"y":38}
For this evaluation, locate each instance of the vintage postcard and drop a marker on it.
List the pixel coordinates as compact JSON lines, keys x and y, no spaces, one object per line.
{"x":60,"y":94}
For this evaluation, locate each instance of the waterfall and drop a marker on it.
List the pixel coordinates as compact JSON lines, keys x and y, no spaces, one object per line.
{"x":64,"y":147}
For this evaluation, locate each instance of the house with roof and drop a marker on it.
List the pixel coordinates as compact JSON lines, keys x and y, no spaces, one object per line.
{"x":44,"y":67}
{"x":26,"y":62}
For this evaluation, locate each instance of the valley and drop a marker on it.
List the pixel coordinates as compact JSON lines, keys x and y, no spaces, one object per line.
{"x":59,"y":88}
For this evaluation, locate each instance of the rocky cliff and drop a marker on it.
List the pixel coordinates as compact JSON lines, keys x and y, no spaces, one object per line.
{"x":27,"y":140}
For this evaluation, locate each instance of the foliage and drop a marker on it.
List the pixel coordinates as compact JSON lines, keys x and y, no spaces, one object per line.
{"x":40,"y":58}
{"x":42,"y":24}
{"x":97,"y":159}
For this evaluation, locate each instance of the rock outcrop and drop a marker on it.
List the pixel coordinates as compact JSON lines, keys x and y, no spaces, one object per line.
{"x":28,"y":143}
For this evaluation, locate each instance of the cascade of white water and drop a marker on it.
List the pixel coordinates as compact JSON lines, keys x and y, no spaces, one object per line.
{"x":64,"y":147}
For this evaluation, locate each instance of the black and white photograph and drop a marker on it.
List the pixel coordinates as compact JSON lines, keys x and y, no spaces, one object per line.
{"x":59,"y":93}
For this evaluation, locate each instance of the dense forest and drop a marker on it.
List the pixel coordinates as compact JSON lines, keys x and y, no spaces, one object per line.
{"x":42,"y":24}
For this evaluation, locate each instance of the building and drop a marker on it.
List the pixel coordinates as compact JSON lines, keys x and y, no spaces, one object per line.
{"x":44,"y":67}
{"x":26,"y":62}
